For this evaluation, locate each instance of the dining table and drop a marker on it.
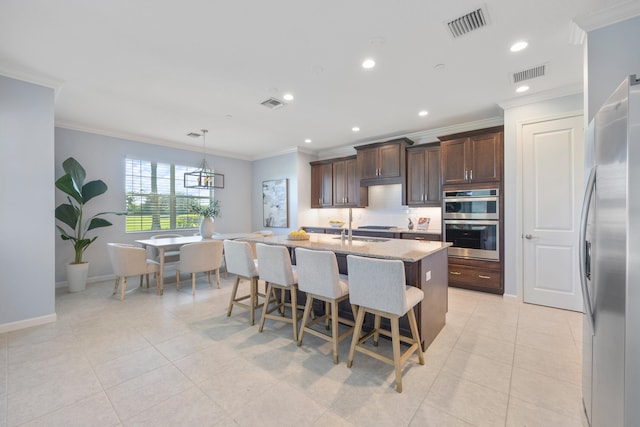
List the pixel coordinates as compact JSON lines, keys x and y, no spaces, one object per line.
{"x":174,"y":243}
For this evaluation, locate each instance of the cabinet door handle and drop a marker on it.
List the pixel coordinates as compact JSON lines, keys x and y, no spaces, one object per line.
{"x":484,"y":277}
{"x":455,"y":273}
{"x":471,"y":175}
{"x":466,"y":174}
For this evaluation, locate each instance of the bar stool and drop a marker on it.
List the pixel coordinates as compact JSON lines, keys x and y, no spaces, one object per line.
{"x":239,"y":260}
{"x":318,"y":276}
{"x":378,"y":286}
{"x":277,"y":272}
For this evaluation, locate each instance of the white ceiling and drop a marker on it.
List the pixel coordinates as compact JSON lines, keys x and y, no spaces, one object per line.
{"x":155,"y":70}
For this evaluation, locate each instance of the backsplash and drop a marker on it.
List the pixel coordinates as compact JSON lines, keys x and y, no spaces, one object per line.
{"x":384,"y":209}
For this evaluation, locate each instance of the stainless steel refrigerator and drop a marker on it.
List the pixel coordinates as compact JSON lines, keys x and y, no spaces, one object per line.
{"x":610,"y":264}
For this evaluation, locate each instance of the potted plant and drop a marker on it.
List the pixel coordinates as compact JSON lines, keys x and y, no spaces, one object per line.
{"x":71,"y":214}
{"x":208,"y":213}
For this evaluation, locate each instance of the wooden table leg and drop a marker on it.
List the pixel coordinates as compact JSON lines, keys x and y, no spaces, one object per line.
{"x":161,"y":276}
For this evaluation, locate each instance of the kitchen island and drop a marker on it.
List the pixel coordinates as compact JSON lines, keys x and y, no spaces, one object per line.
{"x":425,"y":267}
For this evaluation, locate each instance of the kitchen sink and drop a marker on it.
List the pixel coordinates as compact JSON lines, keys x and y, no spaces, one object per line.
{"x":365,"y":239}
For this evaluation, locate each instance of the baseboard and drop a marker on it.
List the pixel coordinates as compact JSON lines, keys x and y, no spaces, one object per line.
{"x":27,"y":323}
{"x":511,"y":297}
{"x":93,"y":279}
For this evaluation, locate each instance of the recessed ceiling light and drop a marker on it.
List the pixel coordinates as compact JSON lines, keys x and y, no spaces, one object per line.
{"x":423,"y":113}
{"x":368,"y":63}
{"x":355,"y":129}
{"x":288,"y":97}
{"x":523,"y":88}
{"x":518,"y":46}
{"x":308,"y":141}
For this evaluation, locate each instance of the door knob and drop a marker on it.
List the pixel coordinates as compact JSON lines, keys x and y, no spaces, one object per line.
{"x":528,"y":236}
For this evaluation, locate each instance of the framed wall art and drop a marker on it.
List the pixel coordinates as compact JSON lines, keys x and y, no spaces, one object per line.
{"x":275,"y":203}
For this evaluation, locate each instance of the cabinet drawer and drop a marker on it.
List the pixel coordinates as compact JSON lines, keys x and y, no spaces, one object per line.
{"x":314,"y":230}
{"x":422,"y":236}
{"x":475,"y":277}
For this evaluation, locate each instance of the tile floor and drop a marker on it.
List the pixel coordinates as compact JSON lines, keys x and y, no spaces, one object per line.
{"x":179,"y":360}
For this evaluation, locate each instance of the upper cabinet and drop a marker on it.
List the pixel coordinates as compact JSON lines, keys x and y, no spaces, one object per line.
{"x":472,"y":157}
{"x":423,"y":176}
{"x":383,"y":162}
{"x":346,"y":186}
{"x":334,"y":183}
{"x":321,"y":184}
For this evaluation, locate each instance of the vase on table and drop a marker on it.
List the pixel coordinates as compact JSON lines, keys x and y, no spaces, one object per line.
{"x":206,"y":227}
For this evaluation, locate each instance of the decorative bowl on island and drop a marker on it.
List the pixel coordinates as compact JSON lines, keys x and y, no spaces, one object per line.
{"x":336,"y":223}
{"x":298,"y":235}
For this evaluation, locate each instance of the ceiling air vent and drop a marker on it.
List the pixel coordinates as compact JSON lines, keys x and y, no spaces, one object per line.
{"x":273,"y":103}
{"x":528,"y":74}
{"x":470,"y":22}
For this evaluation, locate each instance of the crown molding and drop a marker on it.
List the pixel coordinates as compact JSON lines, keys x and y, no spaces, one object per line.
{"x":607,"y":16}
{"x":145,"y":140}
{"x":541,"y":96}
{"x":33,"y":78}
{"x":420,"y":137}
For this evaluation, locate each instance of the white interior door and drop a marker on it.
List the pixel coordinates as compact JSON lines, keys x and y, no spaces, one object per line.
{"x":553,"y":186}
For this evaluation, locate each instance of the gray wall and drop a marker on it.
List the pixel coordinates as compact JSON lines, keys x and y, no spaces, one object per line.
{"x":103,"y":158}
{"x":26,"y":201}
{"x":278,"y":167}
{"x":612,"y":54}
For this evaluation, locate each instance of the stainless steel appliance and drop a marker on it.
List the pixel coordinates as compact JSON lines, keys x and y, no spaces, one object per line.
{"x":472,"y":204}
{"x":471,"y":223}
{"x":610,"y":264}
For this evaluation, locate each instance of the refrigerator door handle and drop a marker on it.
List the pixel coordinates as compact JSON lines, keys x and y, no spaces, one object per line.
{"x":591,"y":184}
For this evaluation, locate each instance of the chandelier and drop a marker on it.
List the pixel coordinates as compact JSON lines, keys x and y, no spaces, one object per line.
{"x":203,"y":177}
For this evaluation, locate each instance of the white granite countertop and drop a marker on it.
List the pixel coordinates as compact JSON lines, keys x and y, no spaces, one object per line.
{"x":403,"y":249}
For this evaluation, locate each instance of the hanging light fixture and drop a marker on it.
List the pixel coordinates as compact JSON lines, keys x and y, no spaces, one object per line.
{"x":203,"y":177}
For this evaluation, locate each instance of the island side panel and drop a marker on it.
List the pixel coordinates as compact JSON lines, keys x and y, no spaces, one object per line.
{"x":433,"y":309}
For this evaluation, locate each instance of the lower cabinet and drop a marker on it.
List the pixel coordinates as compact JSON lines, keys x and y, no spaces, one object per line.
{"x":422,"y":236}
{"x":476,"y":274}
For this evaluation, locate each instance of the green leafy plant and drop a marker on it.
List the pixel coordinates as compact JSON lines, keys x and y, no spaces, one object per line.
{"x":71,"y":213}
{"x":213,"y":210}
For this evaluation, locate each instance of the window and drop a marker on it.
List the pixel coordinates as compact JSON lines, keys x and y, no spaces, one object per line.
{"x":157,"y":199}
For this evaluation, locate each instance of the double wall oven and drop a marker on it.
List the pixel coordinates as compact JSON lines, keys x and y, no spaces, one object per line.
{"x":471,"y":222}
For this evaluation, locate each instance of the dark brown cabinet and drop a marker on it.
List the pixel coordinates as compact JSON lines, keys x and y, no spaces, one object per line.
{"x":334,"y":183}
{"x":382,"y":163}
{"x":423,"y":176}
{"x":346,"y":186}
{"x":472,"y":157}
{"x":421,"y":236}
{"x":476,"y":274}
{"x":321,"y":184}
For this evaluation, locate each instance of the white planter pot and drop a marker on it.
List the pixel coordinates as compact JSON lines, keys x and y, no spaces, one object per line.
{"x":77,"y":276}
{"x":206,"y":227}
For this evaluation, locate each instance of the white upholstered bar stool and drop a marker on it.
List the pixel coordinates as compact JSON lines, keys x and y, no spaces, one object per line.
{"x":378,"y":286}
{"x":204,"y":256}
{"x":277,"y":272}
{"x":128,"y":260}
{"x":319,"y":278}
{"x":239,"y":260}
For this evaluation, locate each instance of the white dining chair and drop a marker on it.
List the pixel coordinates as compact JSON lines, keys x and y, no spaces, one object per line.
{"x":128,"y":260}
{"x":169,"y":256}
{"x":378,"y":286}
{"x":205,"y":256}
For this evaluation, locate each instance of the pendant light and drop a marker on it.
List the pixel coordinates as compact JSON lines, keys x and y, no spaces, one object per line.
{"x":203,"y":177}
